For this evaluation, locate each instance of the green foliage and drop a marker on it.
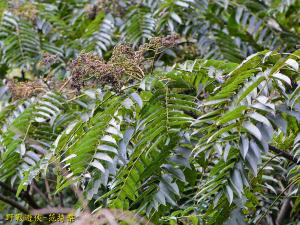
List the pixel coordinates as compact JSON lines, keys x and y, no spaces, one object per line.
{"x":211,"y":140}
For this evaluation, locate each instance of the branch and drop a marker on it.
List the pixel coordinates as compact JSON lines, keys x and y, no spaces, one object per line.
{"x":39,"y":191}
{"x":276,"y":199}
{"x":24,"y":195}
{"x":13,"y":203}
{"x":284,"y":211}
{"x":29,"y":199}
{"x":65,"y":84}
{"x":284,"y":154}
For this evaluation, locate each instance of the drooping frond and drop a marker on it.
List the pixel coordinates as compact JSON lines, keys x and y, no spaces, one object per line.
{"x":20,"y":41}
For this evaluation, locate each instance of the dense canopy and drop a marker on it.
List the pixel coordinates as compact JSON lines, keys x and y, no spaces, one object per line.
{"x":150,"y":112}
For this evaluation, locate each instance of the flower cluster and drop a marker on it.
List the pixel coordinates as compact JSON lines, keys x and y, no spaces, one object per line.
{"x":124,"y":66}
{"x":162,"y":42}
{"x":26,"y":89}
{"x":107,"y":6}
{"x":87,"y":69}
{"x":170,"y":40}
{"x":48,"y":59}
{"x":131,"y":61}
{"x":25,"y":10}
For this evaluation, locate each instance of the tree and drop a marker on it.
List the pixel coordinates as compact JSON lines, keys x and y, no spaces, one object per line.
{"x":113,"y":128}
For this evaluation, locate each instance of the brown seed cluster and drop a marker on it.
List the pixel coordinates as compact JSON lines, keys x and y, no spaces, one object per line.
{"x":131,"y":61}
{"x":107,"y":6}
{"x":88,"y":70}
{"x":25,"y":10}
{"x":162,"y":42}
{"x":91,"y":11}
{"x":48,"y":59}
{"x":26,"y":89}
{"x":170,"y":40}
{"x":124,"y":66}
{"x":188,"y":51}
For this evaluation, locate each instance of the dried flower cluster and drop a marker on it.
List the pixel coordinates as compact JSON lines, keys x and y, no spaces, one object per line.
{"x":125,"y":65}
{"x":25,"y":10}
{"x":131,"y":61}
{"x":88,"y":70}
{"x":48,"y":59}
{"x":91,"y":10}
{"x":188,"y":51}
{"x":27,"y":89}
{"x":106,"y":6}
{"x":158,"y":43}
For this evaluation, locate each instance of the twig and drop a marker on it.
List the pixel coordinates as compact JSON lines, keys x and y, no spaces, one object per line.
{"x":76,"y":97}
{"x":276,"y":199}
{"x":24,"y":195}
{"x":261,"y":169}
{"x":27,"y":130}
{"x":153,"y":61}
{"x":284,"y":211}
{"x":39,"y":191}
{"x":65,"y":84}
{"x":13,"y":203}
{"x":48,"y":189}
{"x":284,"y":154}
